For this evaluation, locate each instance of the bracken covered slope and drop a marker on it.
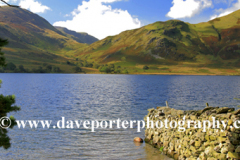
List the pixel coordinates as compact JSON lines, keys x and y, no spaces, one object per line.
{"x":32,"y":39}
{"x":216,"y":41}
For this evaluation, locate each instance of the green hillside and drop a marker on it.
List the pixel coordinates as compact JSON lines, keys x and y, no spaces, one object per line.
{"x":34,"y":41}
{"x":173,"y":47}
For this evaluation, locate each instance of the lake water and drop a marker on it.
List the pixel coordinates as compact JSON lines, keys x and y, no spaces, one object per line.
{"x":102,"y":97}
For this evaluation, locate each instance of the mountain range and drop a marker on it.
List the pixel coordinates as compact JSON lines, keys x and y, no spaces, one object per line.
{"x":171,"y":47}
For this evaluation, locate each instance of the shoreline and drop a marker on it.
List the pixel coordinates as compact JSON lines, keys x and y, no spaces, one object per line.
{"x":167,"y":74}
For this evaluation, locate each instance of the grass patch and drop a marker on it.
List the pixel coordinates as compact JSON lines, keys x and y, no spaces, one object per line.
{"x":204,"y":71}
{"x":164,"y":68}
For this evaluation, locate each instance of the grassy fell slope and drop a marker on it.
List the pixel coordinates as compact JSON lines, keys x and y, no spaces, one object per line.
{"x":33,"y":40}
{"x":222,"y":35}
{"x":160,"y":40}
{"x":213,"y":44}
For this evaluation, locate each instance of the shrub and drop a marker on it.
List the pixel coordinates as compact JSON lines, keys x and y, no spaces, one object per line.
{"x":56,"y":69}
{"x":112,"y":66}
{"x":105,"y":69}
{"x":125,"y":72}
{"x":2,"y":70}
{"x":96,"y":66}
{"x":49,"y":68}
{"x":10,"y":66}
{"x":117,"y":71}
{"x":80,"y":64}
{"x":123,"y":58}
{"x":77,"y":69}
{"x":39,"y":70}
{"x":90,"y":65}
{"x":21,"y":69}
{"x":145,"y":67}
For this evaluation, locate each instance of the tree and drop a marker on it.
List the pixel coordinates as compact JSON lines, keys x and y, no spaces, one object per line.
{"x":125,"y":72}
{"x":56,"y":69}
{"x":123,"y":58}
{"x":77,"y":69}
{"x":85,"y":64}
{"x":2,"y":58}
{"x":80,"y":64}
{"x":10,"y":66}
{"x":41,"y":70}
{"x":112,"y":66}
{"x":117,"y":71}
{"x":96,"y":65}
{"x":105,"y":69}
{"x":21,"y":69}
{"x":49,"y":68}
{"x":6,"y":105}
{"x":6,"y":102}
{"x":90,"y":65}
{"x":145,"y":67}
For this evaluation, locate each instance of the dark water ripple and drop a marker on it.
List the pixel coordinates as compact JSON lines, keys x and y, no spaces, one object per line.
{"x":102,"y":97}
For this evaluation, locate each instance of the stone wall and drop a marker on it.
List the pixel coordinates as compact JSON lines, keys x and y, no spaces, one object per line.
{"x":193,"y":143}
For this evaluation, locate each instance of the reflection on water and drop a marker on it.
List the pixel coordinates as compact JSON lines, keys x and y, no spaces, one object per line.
{"x":102,"y":97}
{"x":154,"y":154}
{"x":137,"y":144}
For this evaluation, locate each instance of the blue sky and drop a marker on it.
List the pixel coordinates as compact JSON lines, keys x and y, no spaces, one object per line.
{"x":102,"y":18}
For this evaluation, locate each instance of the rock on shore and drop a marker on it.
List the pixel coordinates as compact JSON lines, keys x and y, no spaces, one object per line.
{"x":138,"y":139}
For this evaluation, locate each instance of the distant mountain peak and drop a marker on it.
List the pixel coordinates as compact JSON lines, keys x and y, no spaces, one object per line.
{"x":80,"y":37}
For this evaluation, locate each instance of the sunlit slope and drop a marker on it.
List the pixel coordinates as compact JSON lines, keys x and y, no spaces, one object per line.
{"x":222,"y":35}
{"x":33,"y":39}
{"x":214,"y":41}
{"x":161,"y":40}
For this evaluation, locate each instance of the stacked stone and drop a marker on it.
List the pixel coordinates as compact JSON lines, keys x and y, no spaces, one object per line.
{"x":193,"y":143}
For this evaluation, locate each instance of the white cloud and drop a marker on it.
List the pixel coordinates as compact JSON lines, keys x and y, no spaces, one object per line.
{"x":97,"y":18}
{"x":67,"y":15}
{"x":223,"y":12}
{"x":33,"y":6}
{"x":187,"y":8}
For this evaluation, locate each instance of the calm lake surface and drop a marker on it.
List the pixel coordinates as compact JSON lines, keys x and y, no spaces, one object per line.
{"x":102,"y":97}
